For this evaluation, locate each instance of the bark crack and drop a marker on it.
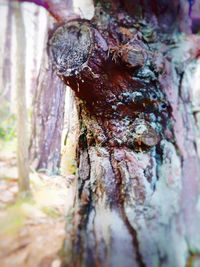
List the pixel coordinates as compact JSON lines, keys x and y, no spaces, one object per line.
{"x":133,"y":234}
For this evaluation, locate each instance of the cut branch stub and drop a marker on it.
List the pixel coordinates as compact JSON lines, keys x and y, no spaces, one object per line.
{"x":70,"y":47}
{"x":132,"y":54}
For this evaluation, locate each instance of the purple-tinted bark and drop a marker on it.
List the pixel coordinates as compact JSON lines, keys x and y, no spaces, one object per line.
{"x":43,"y":3}
{"x":195,"y":15}
{"x":47,"y":121}
{"x":60,"y":10}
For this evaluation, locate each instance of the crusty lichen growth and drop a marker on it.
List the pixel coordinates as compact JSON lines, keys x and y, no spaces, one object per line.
{"x":95,"y":66}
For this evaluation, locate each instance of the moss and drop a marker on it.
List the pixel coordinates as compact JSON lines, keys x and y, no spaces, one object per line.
{"x":14,"y":218}
{"x":8,"y":128}
{"x":51,"y":212}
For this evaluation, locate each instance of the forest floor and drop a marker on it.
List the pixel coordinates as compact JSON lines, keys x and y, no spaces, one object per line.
{"x":32,"y":231}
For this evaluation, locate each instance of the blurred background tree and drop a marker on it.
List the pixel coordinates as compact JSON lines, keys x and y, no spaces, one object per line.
{"x":22,"y":112}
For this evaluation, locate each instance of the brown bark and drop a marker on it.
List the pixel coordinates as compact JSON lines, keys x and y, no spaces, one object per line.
{"x":47,"y":120}
{"x":22,"y":127}
{"x":131,"y":69}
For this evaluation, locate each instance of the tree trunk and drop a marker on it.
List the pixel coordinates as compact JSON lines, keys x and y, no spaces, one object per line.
{"x":22,"y":131}
{"x":47,"y":121}
{"x":34,"y":71}
{"x":134,"y":73}
{"x":7,"y":55}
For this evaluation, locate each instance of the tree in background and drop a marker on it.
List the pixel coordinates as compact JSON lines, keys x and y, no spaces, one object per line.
{"x":6,"y":76}
{"x":35,"y":50}
{"x":47,"y":119}
{"x":22,"y":120}
{"x":6,"y":112}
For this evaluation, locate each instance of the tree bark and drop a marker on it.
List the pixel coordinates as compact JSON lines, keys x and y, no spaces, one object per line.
{"x":34,"y":71}
{"x":133,"y":71}
{"x":60,"y":10}
{"x":22,"y":127}
{"x":47,"y":119}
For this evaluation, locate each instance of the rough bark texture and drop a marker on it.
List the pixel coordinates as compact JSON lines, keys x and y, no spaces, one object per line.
{"x":47,"y":120}
{"x":133,"y":71}
{"x":22,"y":127}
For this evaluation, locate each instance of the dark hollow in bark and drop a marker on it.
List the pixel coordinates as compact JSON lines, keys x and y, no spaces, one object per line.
{"x":138,"y":154}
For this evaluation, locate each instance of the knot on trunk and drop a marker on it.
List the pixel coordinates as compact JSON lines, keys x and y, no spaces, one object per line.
{"x":118,"y":86}
{"x":143,"y":134}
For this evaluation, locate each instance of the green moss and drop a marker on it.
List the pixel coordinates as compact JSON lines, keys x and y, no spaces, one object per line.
{"x":8,"y":128}
{"x":14,"y":218}
{"x":51,"y":212}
